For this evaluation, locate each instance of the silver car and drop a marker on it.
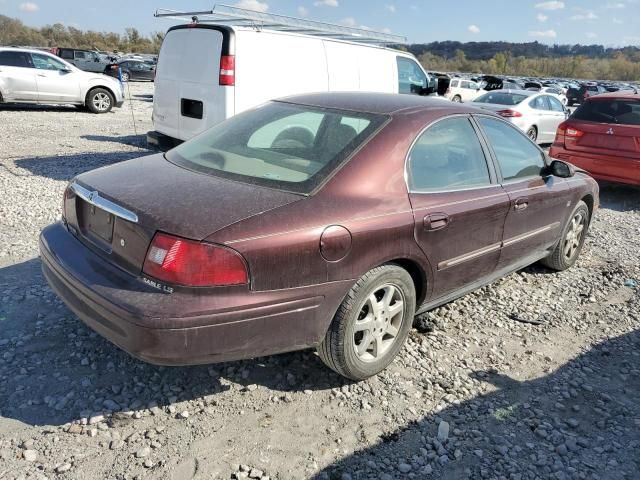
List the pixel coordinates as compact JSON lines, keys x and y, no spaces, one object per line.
{"x":34,"y":76}
{"x":537,"y":114}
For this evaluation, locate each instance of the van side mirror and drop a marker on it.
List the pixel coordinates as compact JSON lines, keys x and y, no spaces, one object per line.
{"x":561,"y":169}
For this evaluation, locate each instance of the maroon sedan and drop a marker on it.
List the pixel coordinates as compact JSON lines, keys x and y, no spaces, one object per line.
{"x":603,"y":137}
{"x":322,"y":220}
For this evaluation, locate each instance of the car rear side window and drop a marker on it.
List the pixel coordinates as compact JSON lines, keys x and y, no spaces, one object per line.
{"x":447,"y":156}
{"x":620,"y":111}
{"x":11,"y":58}
{"x":279,"y":145}
{"x":66,"y":54}
{"x":517,"y":156}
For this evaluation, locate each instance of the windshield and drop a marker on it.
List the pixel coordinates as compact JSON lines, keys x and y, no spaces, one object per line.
{"x":501,"y":98}
{"x":620,"y":111}
{"x":278,"y":145}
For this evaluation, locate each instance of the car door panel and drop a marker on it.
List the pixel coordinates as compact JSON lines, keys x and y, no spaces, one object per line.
{"x":537,"y":201}
{"x":536,"y":215}
{"x":55,"y":84}
{"x":458,"y":208}
{"x":17,"y":76}
{"x":460,"y":233}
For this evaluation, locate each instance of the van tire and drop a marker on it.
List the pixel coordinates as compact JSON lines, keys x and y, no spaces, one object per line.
{"x":457,"y":99}
{"x":339,"y":348}
{"x":99,"y":100}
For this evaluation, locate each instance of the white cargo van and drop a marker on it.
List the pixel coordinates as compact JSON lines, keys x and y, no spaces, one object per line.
{"x":208,"y":72}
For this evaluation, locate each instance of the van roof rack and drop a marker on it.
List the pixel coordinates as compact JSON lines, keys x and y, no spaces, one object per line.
{"x":235,"y":16}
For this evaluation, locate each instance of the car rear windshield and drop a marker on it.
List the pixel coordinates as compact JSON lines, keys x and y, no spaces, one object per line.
{"x":501,"y":98}
{"x":624,"y":111}
{"x":278,"y":145}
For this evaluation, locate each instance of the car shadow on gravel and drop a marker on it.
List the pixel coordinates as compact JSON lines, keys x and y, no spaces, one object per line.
{"x":65,"y":167}
{"x":580,"y":421}
{"x":25,"y":107}
{"x":139,"y":141}
{"x":622,"y":198}
{"x":54,"y":370}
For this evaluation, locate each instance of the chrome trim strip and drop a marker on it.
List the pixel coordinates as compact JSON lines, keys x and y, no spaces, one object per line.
{"x":530,"y":234}
{"x":469,"y":256}
{"x":495,"y":246}
{"x":94,"y":198}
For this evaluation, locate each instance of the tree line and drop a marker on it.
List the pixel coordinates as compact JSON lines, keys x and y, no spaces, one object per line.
{"x":620,"y":66}
{"x":496,"y":58}
{"x":14,"y":32}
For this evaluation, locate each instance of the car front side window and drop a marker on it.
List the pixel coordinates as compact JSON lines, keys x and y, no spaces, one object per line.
{"x":411,"y":78}
{"x":447,"y":156}
{"x":45,"y":62}
{"x":517,"y":156}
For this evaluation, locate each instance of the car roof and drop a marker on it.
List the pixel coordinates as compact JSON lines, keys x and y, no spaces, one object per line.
{"x":618,"y":94}
{"x":528,"y":93}
{"x":376,"y":103}
{"x":29,"y":50}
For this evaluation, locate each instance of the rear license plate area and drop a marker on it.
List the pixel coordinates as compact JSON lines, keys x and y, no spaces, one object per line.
{"x":96,"y":223}
{"x":191,"y":108}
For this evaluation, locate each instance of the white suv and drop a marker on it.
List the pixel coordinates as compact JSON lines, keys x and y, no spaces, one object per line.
{"x":461,"y":90}
{"x":34,"y":76}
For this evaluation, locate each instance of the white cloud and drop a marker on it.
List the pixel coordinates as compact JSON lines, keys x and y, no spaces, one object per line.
{"x":256,"y":5}
{"x":391,"y":8}
{"x":550,"y":5}
{"x":29,"y":7}
{"x":326,"y":3}
{"x":541,"y":17}
{"x":584,"y":16}
{"x":473,"y":29}
{"x":592,"y":35}
{"x":386,"y":30}
{"x":615,"y":5}
{"x":543,"y":33}
{"x":348,"y":22}
{"x":302,"y":11}
{"x":617,"y":21}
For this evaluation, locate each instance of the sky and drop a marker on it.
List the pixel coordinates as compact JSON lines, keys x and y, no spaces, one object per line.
{"x":607,"y":22}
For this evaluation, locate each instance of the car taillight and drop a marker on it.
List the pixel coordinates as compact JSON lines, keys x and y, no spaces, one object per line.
{"x":573,"y":132}
{"x":114,"y":67}
{"x":191,"y":263}
{"x":228,"y":70}
{"x":509,"y":113}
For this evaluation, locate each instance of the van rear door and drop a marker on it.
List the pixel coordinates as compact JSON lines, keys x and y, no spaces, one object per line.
{"x":188,"y":97}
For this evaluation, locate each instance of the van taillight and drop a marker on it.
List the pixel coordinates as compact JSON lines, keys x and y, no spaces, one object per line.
{"x":191,"y":263}
{"x":228,"y":70}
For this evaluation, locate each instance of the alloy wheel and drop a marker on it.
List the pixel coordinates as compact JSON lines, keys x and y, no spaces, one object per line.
{"x":378,"y":323}
{"x":101,"y":101}
{"x":573,"y":238}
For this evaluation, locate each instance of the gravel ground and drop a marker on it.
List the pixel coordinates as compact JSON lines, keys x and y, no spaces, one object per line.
{"x":476,"y":394}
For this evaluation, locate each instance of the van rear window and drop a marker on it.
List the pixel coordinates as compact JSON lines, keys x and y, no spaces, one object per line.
{"x":621,"y":111}
{"x":278,"y":145}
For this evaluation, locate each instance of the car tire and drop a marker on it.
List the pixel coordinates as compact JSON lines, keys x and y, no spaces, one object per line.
{"x":571,"y":241}
{"x":99,"y":100}
{"x":356,"y":352}
{"x":457,"y":99}
{"x":124,"y":76}
{"x":532,"y":133}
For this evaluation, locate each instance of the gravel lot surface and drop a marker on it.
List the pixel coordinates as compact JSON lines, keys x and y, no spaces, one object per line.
{"x":536,"y":376}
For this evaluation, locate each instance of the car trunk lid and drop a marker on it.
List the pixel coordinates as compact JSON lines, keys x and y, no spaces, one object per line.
{"x":116,"y":211}
{"x":604,"y":139}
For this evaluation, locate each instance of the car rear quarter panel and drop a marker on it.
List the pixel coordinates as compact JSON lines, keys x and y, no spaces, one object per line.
{"x":368,"y":196}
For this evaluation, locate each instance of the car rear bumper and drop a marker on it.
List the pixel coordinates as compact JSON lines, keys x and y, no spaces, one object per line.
{"x":161,"y":141}
{"x":601,"y":167}
{"x":128,"y":312}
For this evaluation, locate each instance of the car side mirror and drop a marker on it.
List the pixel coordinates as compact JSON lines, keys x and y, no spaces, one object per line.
{"x":561,"y":169}
{"x":66,"y":70}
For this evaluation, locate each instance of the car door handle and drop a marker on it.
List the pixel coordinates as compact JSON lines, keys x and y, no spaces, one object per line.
{"x":41,"y":75}
{"x":521,"y":203}
{"x":435,"y":221}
